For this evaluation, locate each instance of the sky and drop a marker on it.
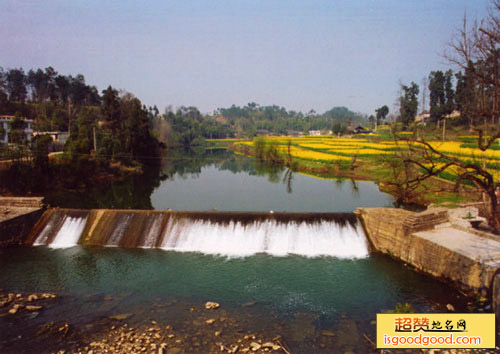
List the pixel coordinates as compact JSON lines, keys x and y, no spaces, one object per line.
{"x":307,"y":54}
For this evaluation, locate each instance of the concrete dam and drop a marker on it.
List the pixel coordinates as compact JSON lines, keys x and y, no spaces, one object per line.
{"x":223,"y":233}
{"x":431,"y":242}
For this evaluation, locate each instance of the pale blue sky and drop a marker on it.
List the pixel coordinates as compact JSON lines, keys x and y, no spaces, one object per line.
{"x":298,"y":54}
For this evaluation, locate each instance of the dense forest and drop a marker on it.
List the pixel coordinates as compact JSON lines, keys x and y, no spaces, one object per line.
{"x":189,"y":127}
{"x":112,"y":126}
{"x":109,"y":134}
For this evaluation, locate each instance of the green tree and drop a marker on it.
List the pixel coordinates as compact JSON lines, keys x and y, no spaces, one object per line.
{"x":408,"y":104}
{"x":16,"y":85}
{"x":110,"y":109}
{"x":381,"y":112}
{"x":441,"y":94}
{"x":339,"y":129}
{"x":136,"y":137}
{"x":465,"y":96}
{"x":41,"y":152}
{"x":16,"y":127}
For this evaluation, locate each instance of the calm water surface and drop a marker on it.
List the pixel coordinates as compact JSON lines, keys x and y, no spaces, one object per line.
{"x":214,"y":188}
{"x":220,"y":180}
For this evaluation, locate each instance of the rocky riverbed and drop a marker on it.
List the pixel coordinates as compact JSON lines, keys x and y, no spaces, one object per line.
{"x":45,"y":323}
{"x":50,"y":323}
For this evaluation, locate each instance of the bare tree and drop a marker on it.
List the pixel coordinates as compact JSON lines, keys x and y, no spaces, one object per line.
{"x":476,"y":50}
{"x":422,"y":160}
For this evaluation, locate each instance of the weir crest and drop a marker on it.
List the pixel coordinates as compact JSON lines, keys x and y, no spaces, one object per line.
{"x":220,"y":233}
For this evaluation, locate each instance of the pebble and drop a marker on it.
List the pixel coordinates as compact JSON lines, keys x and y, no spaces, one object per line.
{"x":255,"y":346}
{"x":328,"y":333}
{"x":13,"y":311}
{"x":33,"y":308}
{"x":211,"y":305}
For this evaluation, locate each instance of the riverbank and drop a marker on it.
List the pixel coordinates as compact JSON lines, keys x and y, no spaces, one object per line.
{"x":439,"y":243}
{"x":358,"y":159}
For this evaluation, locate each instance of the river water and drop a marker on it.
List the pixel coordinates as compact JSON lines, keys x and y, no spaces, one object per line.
{"x":315,"y":302}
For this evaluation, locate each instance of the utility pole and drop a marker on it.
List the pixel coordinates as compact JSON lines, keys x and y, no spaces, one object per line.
{"x":69,"y":117}
{"x":444,"y":128}
{"x":95,"y":144}
{"x":424,"y":92}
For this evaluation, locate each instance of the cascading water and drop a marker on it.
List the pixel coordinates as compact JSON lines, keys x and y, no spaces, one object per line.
{"x":325,"y":238}
{"x":226,"y":234}
{"x":69,"y":233}
{"x":58,"y":228}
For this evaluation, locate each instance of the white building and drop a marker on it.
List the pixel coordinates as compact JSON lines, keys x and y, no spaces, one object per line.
{"x":5,"y":124}
{"x":57,"y":137}
{"x":422,"y":118}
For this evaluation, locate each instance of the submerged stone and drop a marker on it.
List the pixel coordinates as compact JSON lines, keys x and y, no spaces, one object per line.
{"x":328,"y":333}
{"x":33,"y":308}
{"x":121,"y":317}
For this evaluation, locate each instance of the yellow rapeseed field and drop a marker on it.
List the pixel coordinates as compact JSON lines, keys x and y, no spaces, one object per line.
{"x":329,"y":149}
{"x":307,"y":154}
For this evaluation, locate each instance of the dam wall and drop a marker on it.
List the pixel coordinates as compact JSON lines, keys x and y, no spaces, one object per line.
{"x":431,"y":244}
{"x":17,"y":217}
{"x":222,"y":233}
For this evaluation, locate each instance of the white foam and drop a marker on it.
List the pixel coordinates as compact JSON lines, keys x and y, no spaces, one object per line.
{"x":153,"y":232}
{"x":114,"y":240}
{"x":69,"y":233}
{"x":325,"y":238}
{"x":43,"y":237}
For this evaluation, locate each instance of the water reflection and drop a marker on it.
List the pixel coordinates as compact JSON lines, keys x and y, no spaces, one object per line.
{"x":217,"y":179}
{"x":211,"y":178}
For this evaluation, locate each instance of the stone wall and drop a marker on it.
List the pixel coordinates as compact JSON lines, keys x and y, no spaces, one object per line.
{"x":396,"y":232}
{"x":17,"y":217}
{"x":22,"y":202}
{"x":425,"y":220}
{"x":15,"y":230}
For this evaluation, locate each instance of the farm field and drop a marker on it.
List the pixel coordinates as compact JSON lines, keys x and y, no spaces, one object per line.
{"x":327,"y":149}
{"x":367,"y":157}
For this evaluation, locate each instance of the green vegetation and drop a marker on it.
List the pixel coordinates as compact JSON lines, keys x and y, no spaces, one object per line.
{"x":109,"y":136}
{"x":408,"y":104}
{"x":370,"y":157}
{"x":187,"y":127}
{"x":114,"y":127}
{"x":403,"y":308}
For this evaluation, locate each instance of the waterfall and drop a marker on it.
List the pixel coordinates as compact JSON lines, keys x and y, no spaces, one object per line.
{"x":58,"y":228}
{"x":325,"y":238}
{"x":69,"y":233}
{"x":226,"y":234}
